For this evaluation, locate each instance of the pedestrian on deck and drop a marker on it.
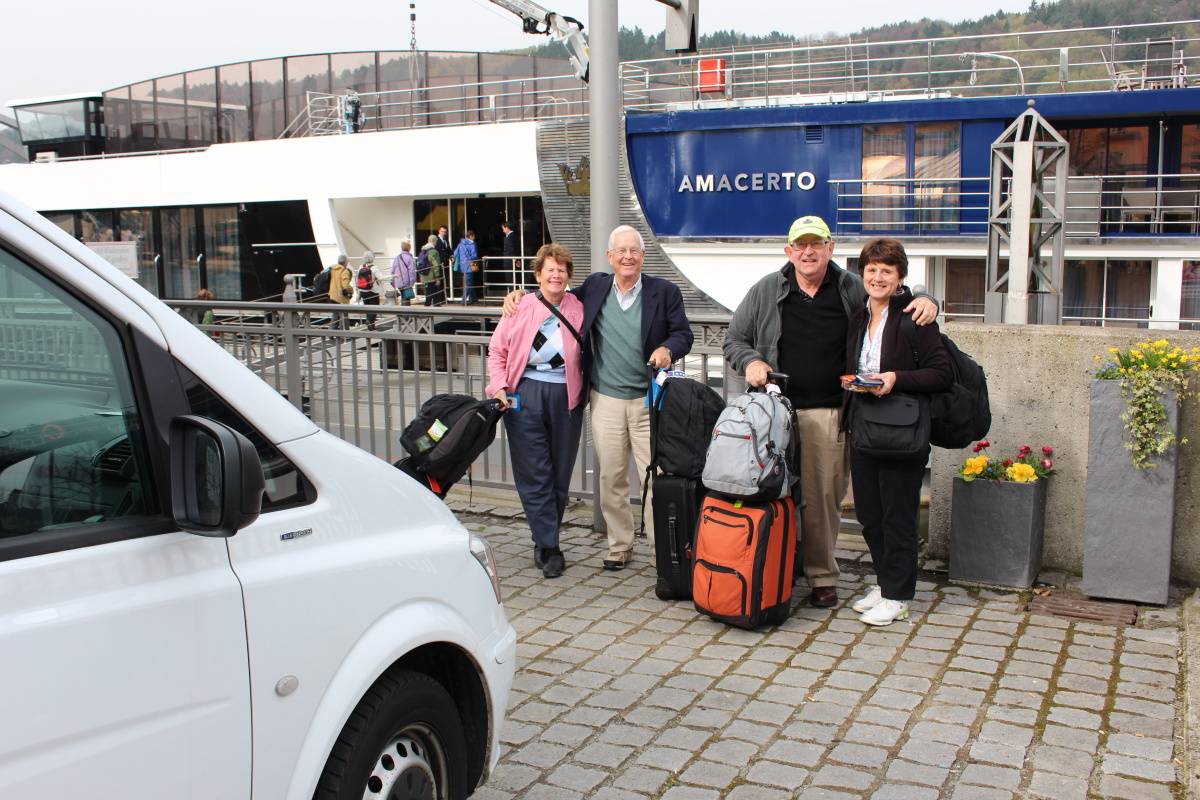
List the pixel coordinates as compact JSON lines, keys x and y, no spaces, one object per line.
{"x":887,"y":492}
{"x":443,"y":245}
{"x":795,"y":321}
{"x":429,"y":270}
{"x":404,"y":274}
{"x":466,"y":259}
{"x":341,"y":284}
{"x":535,"y":367}
{"x":630,"y":321}
{"x":510,"y":248}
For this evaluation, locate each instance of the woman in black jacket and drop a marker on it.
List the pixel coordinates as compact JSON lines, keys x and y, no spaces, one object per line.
{"x":887,"y":492}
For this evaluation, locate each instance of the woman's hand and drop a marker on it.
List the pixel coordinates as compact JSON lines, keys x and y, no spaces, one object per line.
{"x":889,"y":381}
{"x":501,"y":397}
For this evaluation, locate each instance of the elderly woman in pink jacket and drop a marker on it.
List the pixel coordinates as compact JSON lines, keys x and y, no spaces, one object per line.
{"x":535,"y":370}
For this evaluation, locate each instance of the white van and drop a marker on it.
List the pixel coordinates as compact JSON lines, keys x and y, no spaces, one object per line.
{"x":169,"y":629}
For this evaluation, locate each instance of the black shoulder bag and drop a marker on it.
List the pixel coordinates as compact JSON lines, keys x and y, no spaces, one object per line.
{"x":893,"y":427}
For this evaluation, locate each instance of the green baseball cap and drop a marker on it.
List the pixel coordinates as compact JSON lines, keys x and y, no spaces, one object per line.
{"x":808,"y":226}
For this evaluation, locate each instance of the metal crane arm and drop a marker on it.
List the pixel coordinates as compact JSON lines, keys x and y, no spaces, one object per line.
{"x":558,"y":27}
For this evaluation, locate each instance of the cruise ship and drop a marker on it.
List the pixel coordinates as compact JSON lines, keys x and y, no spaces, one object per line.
{"x":230,"y":177}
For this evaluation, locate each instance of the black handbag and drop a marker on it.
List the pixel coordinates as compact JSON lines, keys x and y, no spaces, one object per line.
{"x":895,"y":426}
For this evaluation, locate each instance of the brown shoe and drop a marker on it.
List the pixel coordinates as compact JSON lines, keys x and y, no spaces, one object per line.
{"x":617,"y":563}
{"x":823,"y":597}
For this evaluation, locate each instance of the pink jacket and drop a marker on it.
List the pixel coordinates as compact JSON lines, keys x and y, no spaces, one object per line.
{"x":508,"y":349}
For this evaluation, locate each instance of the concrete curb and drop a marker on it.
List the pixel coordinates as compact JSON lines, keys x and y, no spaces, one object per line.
{"x":1191,"y":711}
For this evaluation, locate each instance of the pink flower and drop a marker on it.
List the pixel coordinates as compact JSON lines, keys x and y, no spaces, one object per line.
{"x":982,"y":444}
{"x":1047,"y":463}
{"x":1047,"y":450}
{"x":1008,"y":462}
{"x":1026,"y":450}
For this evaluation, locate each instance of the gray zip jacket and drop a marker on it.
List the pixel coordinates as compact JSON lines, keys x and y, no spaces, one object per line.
{"x":754,"y":330}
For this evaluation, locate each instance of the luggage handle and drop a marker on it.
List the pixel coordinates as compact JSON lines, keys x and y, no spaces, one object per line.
{"x":775,"y":379}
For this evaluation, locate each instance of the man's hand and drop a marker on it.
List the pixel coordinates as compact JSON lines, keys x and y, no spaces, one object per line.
{"x":510,"y":301}
{"x":757,"y":372}
{"x":502,"y":397}
{"x":660,"y":358}
{"x":924,"y":310}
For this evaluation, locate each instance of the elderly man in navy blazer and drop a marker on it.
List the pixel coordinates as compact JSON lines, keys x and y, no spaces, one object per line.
{"x":629,"y":320}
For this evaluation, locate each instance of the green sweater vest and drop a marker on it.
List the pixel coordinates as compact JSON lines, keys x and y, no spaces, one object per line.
{"x":619,"y":369}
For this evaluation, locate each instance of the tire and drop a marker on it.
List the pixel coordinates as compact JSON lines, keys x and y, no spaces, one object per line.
{"x":404,"y":741}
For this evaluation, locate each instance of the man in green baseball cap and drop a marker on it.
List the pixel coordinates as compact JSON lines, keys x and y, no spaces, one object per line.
{"x":795,"y":321}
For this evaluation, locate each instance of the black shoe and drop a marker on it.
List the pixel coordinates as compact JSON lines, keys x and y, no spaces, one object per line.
{"x":555,"y":563}
{"x":539,"y":556}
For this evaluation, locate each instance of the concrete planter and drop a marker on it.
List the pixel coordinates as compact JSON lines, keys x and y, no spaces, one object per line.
{"x":996,"y":532}
{"x":1129,"y":522}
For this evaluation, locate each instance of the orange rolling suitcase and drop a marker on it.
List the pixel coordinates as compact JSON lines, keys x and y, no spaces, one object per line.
{"x":744,"y":551}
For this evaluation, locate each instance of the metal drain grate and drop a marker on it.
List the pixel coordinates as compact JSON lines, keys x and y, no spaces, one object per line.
{"x":1075,"y":606}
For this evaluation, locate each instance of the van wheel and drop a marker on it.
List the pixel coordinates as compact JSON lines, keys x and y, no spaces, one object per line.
{"x":404,"y":741}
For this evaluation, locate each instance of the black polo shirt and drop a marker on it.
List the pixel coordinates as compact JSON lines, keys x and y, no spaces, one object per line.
{"x":812,"y":343}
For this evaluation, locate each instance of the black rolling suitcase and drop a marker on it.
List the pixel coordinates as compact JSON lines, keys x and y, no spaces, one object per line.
{"x":681,"y":421}
{"x":676,"y":509}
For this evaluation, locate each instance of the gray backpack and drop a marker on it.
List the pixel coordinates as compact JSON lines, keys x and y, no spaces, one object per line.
{"x":750,"y":453}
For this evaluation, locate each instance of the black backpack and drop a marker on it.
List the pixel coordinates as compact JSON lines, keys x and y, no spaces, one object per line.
{"x":681,"y":425}
{"x":321,"y":282}
{"x":962,"y":414}
{"x":447,"y":435}
{"x":366,"y":278}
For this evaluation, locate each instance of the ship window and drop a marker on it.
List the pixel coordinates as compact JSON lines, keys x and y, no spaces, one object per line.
{"x":1112,"y":293}
{"x":51,"y":121}
{"x":884,"y":167}
{"x":266,"y":92}
{"x":1189,"y":306}
{"x":202,"y":107}
{"x":965,"y":289}
{"x":172,"y":119}
{"x":937,"y":159}
{"x":235,"y":102}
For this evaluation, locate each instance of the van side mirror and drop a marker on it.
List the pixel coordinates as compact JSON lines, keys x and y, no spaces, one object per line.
{"x":217,"y":482}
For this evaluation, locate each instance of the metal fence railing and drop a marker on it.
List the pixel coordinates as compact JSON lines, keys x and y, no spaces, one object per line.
{"x":361,"y":372}
{"x":1097,"y":205}
{"x":1123,"y":57}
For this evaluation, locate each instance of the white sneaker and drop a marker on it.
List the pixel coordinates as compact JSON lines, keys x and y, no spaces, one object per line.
{"x":868,"y":601}
{"x":885,"y":612}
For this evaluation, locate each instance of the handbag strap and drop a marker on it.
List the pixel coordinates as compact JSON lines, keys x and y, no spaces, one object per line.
{"x":910,"y":333}
{"x":561,"y":318}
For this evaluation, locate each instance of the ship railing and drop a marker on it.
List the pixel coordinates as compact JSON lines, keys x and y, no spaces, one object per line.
{"x":1165,"y":204}
{"x":363,"y":381}
{"x":1141,"y":56}
{"x":509,"y":100}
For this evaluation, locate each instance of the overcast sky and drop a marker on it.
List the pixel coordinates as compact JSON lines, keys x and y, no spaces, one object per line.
{"x":70,"y":46}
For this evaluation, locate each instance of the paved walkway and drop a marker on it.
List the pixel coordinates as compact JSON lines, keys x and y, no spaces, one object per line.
{"x":621,"y":695}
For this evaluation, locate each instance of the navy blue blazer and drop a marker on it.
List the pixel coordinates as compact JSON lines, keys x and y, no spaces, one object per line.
{"x":664,"y":321}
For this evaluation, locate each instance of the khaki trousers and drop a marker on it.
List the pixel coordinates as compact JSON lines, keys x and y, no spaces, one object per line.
{"x":824,"y":474}
{"x":621,"y":427}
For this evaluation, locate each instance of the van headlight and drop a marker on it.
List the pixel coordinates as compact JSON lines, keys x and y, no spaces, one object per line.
{"x":487,"y":559}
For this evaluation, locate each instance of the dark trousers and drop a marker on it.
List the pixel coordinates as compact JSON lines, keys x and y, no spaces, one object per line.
{"x":543,"y":438}
{"x":370,"y":299}
{"x":887,"y":495}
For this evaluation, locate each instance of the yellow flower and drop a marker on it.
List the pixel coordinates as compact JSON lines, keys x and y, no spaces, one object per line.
{"x":1114,"y":350}
{"x":1161,"y":343}
{"x":974,"y":466}
{"x":1021,"y":473}
{"x":1135,"y":353}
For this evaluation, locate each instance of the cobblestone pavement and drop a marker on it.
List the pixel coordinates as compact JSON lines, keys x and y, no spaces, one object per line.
{"x":621,"y":695}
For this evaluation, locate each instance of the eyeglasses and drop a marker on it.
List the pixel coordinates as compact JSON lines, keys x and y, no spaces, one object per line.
{"x":802,"y":246}
{"x":625,"y":252}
